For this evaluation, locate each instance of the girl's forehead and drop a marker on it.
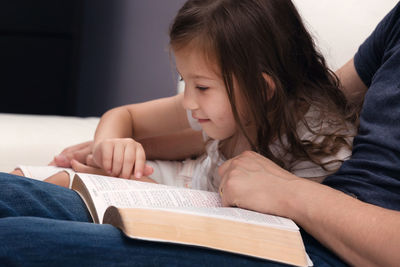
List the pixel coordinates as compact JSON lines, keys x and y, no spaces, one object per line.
{"x":195,"y":59}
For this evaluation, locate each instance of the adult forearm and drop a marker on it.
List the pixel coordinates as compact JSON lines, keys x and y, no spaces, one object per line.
{"x":360,"y":233}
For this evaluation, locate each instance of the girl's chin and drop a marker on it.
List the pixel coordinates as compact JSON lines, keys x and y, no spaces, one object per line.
{"x":216,"y":136}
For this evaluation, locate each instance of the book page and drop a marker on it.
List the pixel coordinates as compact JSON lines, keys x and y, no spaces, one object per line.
{"x":108,"y":191}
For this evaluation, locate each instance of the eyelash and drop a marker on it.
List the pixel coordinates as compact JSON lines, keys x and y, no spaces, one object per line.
{"x":201,"y":88}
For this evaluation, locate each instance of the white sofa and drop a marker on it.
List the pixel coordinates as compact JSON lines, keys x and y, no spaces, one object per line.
{"x":338,"y":27}
{"x":35,"y":139}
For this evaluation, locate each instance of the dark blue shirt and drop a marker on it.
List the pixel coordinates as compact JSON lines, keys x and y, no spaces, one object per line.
{"x":373,"y":172}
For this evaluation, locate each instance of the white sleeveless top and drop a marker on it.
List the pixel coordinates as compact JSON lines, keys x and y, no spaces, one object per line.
{"x":202,"y":172}
{"x":205,"y":167}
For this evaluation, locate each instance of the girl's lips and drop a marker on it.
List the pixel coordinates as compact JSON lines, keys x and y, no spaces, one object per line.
{"x":202,"y":120}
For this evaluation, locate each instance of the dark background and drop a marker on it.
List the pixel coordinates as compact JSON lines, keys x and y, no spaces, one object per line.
{"x":83,"y":57}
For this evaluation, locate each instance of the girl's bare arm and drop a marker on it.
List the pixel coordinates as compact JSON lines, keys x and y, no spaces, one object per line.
{"x":149,"y":119}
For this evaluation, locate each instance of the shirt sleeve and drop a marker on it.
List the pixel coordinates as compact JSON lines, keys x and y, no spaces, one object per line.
{"x":372,"y":174}
{"x":370,"y":54}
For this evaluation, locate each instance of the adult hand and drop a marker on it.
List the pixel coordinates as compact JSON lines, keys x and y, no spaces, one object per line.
{"x":254,"y":182}
{"x":79,"y":152}
{"x":120,"y":157}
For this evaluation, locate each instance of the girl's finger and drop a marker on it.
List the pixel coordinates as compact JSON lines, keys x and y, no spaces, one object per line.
{"x":103,"y":156}
{"x":90,"y":161}
{"x":148,"y":170}
{"x":129,"y":161}
{"x":118,"y":159}
{"x":81,"y":154}
{"x":139,"y":161}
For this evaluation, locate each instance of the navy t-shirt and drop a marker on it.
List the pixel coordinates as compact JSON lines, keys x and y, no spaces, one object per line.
{"x":373,"y":172}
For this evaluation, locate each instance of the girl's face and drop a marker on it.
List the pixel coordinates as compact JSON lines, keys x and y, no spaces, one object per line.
{"x":205,"y":94}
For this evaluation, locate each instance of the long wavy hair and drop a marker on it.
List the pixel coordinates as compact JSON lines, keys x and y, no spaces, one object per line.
{"x":248,"y":38}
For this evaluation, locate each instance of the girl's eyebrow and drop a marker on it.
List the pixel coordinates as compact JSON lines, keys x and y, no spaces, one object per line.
{"x":196,"y":76}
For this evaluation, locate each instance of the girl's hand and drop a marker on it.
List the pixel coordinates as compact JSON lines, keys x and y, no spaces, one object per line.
{"x":120,"y":157}
{"x":254,"y":182}
{"x":79,"y":167}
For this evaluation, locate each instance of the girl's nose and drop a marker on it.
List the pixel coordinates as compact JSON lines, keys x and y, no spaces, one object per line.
{"x":189,"y":98}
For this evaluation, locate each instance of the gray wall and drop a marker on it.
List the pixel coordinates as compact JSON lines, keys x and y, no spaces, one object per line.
{"x":124,"y":53}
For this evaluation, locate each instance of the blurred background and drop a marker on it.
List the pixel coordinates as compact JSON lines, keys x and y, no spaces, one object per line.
{"x":83,"y":57}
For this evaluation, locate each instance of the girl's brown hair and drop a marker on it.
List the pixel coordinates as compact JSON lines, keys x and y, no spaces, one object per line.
{"x":252,"y":37}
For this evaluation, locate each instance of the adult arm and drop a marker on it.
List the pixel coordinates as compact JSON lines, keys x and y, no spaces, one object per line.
{"x":361,"y":234}
{"x":351,"y":84}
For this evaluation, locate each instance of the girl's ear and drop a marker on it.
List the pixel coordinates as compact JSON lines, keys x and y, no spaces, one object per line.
{"x":271,"y":85}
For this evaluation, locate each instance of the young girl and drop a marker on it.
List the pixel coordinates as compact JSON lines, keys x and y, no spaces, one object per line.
{"x":253,"y":81}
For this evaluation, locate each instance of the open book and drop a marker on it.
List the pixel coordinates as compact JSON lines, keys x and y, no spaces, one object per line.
{"x":164,"y":213}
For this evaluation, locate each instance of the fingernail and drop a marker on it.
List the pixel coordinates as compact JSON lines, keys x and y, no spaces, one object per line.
{"x":138,"y":175}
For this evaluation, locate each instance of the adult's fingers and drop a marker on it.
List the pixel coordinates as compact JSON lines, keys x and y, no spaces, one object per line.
{"x":79,"y":146}
{"x":224,"y":167}
{"x":78,"y":152}
{"x":61,"y":161}
{"x":79,"y":167}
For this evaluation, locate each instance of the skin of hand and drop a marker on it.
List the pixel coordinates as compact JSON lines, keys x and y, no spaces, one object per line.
{"x":120,"y":157}
{"x":250,"y":181}
{"x":360,"y":233}
{"x":79,"y":167}
{"x":79,"y":152}
{"x":82,"y":153}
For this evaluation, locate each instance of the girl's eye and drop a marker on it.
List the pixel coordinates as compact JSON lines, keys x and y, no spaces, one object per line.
{"x":202,"y":88}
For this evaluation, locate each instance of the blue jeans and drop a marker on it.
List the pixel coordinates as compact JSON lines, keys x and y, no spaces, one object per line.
{"x":46,"y":225}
